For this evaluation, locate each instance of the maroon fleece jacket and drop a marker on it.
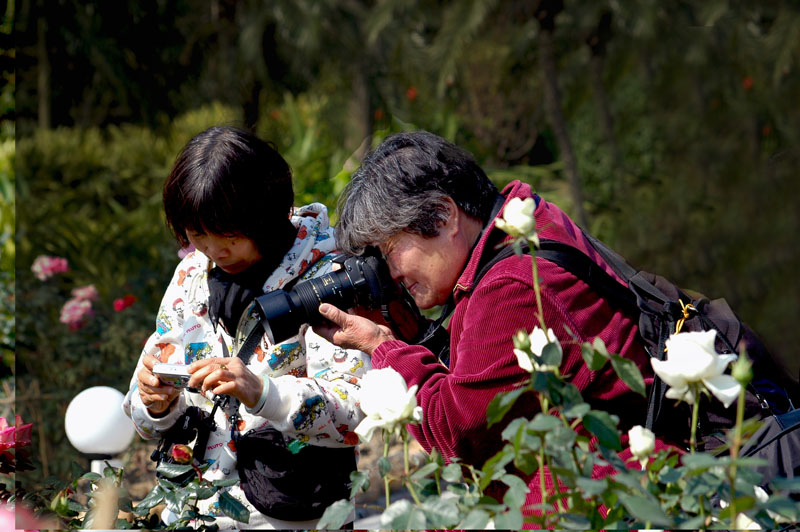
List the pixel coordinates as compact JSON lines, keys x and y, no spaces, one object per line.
{"x":482,"y":361}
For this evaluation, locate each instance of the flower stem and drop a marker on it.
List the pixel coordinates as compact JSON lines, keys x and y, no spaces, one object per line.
{"x":386,"y":477}
{"x":695,"y":412}
{"x":409,"y":484}
{"x":536,"y":288}
{"x":735,"y":445}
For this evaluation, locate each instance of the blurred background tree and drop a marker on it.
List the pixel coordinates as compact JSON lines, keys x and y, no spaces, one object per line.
{"x":669,"y":128}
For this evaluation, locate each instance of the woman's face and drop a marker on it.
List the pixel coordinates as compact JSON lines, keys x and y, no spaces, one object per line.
{"x":234,"y":254}
{"x":427,"y":266}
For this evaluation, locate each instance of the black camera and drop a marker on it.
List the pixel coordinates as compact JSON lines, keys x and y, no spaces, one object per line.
{"x":362,"y":281}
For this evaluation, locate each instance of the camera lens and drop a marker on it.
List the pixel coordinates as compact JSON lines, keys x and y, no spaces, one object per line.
{"x":362,"y":281}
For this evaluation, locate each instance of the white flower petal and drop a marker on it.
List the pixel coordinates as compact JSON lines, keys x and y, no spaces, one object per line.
{"x":367,"y":426}
{"x":524,"y":360}
{"x":670,"y":372}
{"x":681,"y":394}
{"x":723,"y":387}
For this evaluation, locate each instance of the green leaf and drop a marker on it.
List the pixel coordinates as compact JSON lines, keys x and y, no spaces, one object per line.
{"x":425,"y":470}
{"x":509,"y":520}
{"x":91,"y":476}
{"x":175,"y":501}
{"x":384,"y":466}
{"x":476,"y":519}
{"x":645,"y":509}
{"x":173,"y":470}
{"x":601,"y":425}
{"x":552,"y":355}
{"x":402,"y":515}
{"x":335,"y":515}
{"x":574,"y":522}
{"x":627,"y":370}
{"x":441,"y":513}
{"x":543,"y":423}
{"x":225,"y":482}
{"x":233,"y":508}
{"x":200,"y":492}
{"x":594,"y":360}
{"x":600,"y":347}
{"x":494,"y":467}
{"x":452,"y":473}
{"x":517,"y":490}
{"x":591,"y":487}
{"x":154,"y":498}
{"x":360,"y":481}
{"x":501,"y":404}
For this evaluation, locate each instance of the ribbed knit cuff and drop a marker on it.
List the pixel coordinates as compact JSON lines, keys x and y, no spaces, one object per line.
{"x":265,"y":385}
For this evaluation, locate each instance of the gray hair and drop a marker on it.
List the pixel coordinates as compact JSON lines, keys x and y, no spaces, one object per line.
{"x":404,"y":185}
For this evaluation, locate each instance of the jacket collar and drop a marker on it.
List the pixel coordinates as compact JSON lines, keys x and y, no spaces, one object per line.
{"x":489,"y":238}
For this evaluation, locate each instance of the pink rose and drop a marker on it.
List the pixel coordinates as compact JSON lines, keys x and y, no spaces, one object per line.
{"x":22,"y":433}
{"x":182,"y":454}
{"x":88,"y":292}
{"x":75,"y":312}
{"x":45,"y":266}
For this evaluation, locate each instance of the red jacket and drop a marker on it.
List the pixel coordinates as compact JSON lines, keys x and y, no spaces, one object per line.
{"x":482,"y":361}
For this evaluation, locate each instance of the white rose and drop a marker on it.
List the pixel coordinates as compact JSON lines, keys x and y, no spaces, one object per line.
{"x":517,"y":219}
{"x":642,"y":442}
{"x":691,"y":358}
{"x":387,"y":403}
{"x":538,"y":340}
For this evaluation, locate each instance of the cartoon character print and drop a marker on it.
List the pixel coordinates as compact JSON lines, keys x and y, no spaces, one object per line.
{"x":340,"y":392}
{"x":197,"y":351}
{"x":284,"y":354}
{"x":358,"y":364}
{"x":177,"y":307}
{"x":165,"y":351}
{"x":315,"y":255}
{"x":302,"y":233}
{"x":163,"y":325}
{"x":350,"y":437}
{"x":308,"y":413}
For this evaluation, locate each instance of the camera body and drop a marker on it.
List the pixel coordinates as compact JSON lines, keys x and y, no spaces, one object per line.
{"x":362,"y":280}
{"x":176,"y":375}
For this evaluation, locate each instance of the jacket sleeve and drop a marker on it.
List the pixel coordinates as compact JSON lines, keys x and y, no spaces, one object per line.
{"x":322,"y":406}
{"x":166,"y":343}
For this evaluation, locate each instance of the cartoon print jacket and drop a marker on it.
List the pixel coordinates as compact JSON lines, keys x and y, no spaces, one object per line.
{"x":313,"y":384}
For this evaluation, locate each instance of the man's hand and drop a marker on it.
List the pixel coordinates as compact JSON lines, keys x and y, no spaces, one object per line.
{"x":156,"y":395}
{"x":351,"y":331}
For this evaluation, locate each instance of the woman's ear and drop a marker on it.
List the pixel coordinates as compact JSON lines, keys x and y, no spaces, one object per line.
{"x":451,"y":223}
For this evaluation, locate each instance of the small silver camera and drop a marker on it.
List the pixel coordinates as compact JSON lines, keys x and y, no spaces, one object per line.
{"x":175,"y":375}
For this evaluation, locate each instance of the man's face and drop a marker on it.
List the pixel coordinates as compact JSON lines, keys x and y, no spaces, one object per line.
{"x":427,"y":266}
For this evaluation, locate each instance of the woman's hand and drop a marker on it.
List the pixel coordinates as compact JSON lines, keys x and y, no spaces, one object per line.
{"x":156,"y":395}
{"x":351,"y":331}
{"x":226,"y":376}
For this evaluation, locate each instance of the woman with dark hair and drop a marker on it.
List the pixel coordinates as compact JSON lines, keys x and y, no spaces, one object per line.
{"x":230,"y":196}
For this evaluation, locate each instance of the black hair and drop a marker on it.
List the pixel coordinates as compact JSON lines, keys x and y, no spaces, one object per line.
{"x":226,"y":181}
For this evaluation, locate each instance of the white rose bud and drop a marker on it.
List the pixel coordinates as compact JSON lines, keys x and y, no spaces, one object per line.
{"x":642,"y":442}
{"x":517,"y":219}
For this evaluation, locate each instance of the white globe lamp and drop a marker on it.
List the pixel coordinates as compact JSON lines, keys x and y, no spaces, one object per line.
{"x":97,"y":427}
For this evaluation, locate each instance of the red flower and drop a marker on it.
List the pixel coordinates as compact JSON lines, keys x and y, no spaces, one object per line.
{"x":122,"y":303}
{"x":766,"y":130}
{"x":411,"y":93}
{"x":747,"y":83}
{"x":182,"y":454}
{"x":379,"y":114}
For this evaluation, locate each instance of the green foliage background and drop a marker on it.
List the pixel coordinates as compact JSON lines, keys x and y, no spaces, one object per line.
{"x":682,"y":120}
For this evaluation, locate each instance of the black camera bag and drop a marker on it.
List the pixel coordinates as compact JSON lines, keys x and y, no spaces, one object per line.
{"x":295,"y":481}
{"x":292,"y":482}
